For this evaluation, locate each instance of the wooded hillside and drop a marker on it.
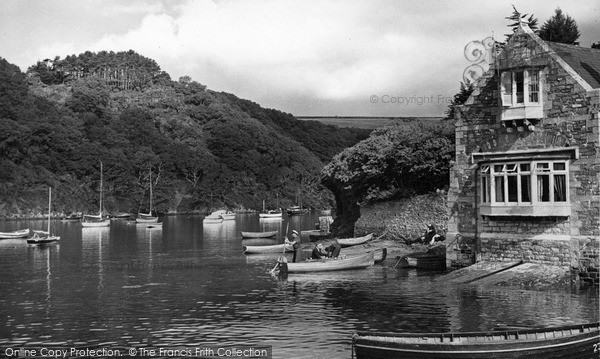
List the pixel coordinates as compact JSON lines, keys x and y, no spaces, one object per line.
{"x":206,"y":149}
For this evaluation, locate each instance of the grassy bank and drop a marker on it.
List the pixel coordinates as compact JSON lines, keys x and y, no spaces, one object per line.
{"x":405,"y":219}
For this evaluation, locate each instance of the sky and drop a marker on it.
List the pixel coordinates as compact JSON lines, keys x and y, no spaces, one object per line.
{"x":309,"y":58}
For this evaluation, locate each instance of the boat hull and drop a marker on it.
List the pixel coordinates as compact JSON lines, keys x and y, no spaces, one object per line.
{"x":270,"y":215}
{"x":578,"y":341}
{"x":275,"y":248}
{"x":96,"y":224}
{"x":347,"y":242}
{"x":22,"y":233}
{"x":333,"y":264}
{"x":259,"y":234}
{"x":42,"y":240}
{"x":146,"y":220}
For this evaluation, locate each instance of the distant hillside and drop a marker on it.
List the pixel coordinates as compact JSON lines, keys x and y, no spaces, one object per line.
{"x":206,"y":149}
{"x":364,"y":122}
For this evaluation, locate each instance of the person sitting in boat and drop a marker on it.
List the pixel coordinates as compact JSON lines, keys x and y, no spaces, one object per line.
{"x":334,"y":249}
{"x":319,"y":252}
{"x":431,"y":235}
{"x":295,"y":242}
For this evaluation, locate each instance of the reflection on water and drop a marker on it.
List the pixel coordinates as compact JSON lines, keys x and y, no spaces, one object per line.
{"x":189,"y":284}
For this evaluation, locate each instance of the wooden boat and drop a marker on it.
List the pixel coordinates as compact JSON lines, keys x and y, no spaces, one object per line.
{"x":120,"y":215}
{"x":423,"y":260}
{"x":259,"y":234}
{"x":571,"y":341}
{"x":21,"y":233}
{"x":146,"y":218}
{"x":73,"y":217}
{"x":380,"y":255}
{"x":96,"y":220}
{"x":270,"y":214}
{"x":332,"y":264}
{"x":211,"y":219}
{"x":296,"y":210}
{"x":258,"y":241}
{"x":347,"y":242}
{"x":275,"y":248}
{"x":44,"y":237}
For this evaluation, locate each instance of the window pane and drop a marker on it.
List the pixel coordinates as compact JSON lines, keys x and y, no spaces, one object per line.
{"x":543,"y":183}
{"x":485,"y":189}
{"x":499,"y":190}
{"x":512,"y":188}
{"x":525,"y":189}
{"x":519,"y":86}
{"x":560,"y":193}
{"x":542,"y":167}
{"x":560,"y":166}
{"x":534,"y":86}
{"x":524,"y":167}
{"x":499,"y":168}
{"x":485,"y":169}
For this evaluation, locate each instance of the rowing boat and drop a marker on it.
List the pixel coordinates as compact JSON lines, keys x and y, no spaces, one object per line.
{"x":332,"y":264}
{"x":21,"y":233}
{"x":275,"y":248}
{"x":259,"y":234}
{"x":571,"y":341}
{"x":347,"y":242}
{"x":429,"y":261}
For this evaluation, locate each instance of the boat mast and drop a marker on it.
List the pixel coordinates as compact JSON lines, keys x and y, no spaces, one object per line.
{"x":100,"y":214}
{"x":49,"y":206}
{"x":150,"y":213}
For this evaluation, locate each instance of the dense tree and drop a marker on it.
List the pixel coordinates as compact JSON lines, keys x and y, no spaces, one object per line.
{"x":395,"y":161}
{"x":560,"y":28}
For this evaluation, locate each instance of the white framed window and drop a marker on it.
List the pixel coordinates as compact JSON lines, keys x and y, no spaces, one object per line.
{"x":521,"y":95}
{"x":532,"y":187}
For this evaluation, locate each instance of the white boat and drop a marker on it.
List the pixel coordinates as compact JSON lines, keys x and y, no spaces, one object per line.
{"x":333,"y":264}
{"x":21,"y":233}
{"x":145,"y":218}
{"x":226,"y":215}
{"x":275,"y":248}
{"x":259,"y":234}
{"x":44,"y":237}
{"x":96,"y":220}
{"x":347,"y":242}
{"x":270,"y":213}
{"x":211,"y":219}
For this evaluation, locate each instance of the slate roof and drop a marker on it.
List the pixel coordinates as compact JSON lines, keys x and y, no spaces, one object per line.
{"x":585,"y":61}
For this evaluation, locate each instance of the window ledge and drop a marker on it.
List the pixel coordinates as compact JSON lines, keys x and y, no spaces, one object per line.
{"x":522,"y":112}
{"x":538,"y":210}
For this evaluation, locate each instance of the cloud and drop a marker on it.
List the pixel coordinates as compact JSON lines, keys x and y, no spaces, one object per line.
{"x":323,"y":52}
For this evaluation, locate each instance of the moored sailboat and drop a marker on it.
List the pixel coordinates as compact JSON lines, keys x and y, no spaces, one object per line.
{"x":97,"y":220}
{"x":147,"y":218}
{"x":44,"y":237}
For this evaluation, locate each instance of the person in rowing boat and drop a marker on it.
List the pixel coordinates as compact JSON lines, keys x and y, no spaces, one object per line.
{"x":334,"y":249}
{"x":295,"y":242}
{"x":319,"y":252}
{"x":430,"y":235}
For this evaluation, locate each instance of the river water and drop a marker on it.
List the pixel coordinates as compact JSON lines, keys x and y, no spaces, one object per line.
{"x":189,"y":285}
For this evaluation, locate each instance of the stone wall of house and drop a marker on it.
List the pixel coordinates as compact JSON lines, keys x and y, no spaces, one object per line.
{"x":571,"y":119}
{"x":553,"y":252}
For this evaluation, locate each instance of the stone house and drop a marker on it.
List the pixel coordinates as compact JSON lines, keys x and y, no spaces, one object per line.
{"x":525,"y":183}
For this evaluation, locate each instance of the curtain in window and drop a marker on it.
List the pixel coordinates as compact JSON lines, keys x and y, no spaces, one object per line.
{"x":543,"y":182}
{"x":560,"y":194}
{"x":499,"y":181}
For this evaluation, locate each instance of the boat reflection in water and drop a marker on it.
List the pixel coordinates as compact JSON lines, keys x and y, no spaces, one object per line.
{"x":189,"y":284}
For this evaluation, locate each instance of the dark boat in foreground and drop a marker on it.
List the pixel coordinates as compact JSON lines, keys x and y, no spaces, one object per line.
{"x":571,"y":341}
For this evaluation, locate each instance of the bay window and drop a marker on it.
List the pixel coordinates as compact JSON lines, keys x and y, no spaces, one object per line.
{"x":528,"y":187}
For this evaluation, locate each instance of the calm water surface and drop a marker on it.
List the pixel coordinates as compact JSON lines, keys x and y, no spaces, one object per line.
{"x":190,"y":285}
